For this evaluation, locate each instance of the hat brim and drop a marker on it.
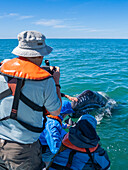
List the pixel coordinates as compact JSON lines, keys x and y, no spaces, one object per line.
{"x":32,"y":52}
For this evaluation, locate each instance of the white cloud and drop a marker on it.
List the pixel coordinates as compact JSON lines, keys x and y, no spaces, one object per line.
{"x":51,"y":22}
{"x":56,"y":23}
{"x":9,"y":15}
{"x":68,"y":23}
{"x":16,"y":16}
{"x":90,"y":30}
{"x":60,"y":26}
{"x":79,"y":29}
{"x":60,"y":23}
{"x":13,"y":14}
{"x":26,"y":17}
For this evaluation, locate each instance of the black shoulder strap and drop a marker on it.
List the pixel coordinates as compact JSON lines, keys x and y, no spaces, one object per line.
{"x":62,"y":148}
{"x":69,"y":163}
{"x":30,"y":127}
{"x":13,"y":114}
{"x":5,"y":93}
{"x":28,"y":102}
{"x":45,"y":119}
{"x":71,"y":155}
{"x":22,"y":97}
{"x":59,"y":167}
{"x":91,"y":158}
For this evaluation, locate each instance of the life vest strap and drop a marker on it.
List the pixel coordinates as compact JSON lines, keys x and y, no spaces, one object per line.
{"x":13,"y":114}
{"x":23,"y":98}
{"x":30,"y":127}
{"x":59,"y":167}
{"x":95,"y":166}
{"x":69,"y":163}
{"x":5,"y":118}
{"x":27,"y":126}
{"x":30,"y":103}
{"x":5,"y":93}
{"x":18,"y":95}
{"x":44,"y":116}
{"x":71,"y":155}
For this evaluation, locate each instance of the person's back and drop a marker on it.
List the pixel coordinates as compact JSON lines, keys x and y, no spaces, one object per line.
{"x":33,"y":90}
{"x":25,"y":89}
{"x":80,"y":149}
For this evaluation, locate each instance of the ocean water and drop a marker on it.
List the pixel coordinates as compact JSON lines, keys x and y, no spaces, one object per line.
{"x":98,"y":65}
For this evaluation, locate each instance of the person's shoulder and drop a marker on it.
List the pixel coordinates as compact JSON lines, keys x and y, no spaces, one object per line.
{"x":48,"y":81}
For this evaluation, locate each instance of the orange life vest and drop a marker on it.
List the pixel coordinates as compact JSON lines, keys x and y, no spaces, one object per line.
{"x":17,"y":70}
{"x":68,"y":144}
{"x":23,"y":68}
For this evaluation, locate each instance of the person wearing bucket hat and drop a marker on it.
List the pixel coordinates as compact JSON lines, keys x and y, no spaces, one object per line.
{"x":26,"y":92}
{"x":51,"y":137}
{"x":31,"y":44}
{"x":81,"y":149}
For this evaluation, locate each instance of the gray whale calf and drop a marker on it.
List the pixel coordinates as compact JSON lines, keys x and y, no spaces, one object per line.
{"x":87,"y":101}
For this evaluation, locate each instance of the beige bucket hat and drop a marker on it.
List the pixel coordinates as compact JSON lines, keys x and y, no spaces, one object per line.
{"x":31,"y":44}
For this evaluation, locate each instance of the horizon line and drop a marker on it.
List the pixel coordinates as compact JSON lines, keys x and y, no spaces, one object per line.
{"x":65,"y":38}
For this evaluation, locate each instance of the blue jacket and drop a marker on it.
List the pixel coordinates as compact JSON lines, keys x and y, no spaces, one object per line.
{"x":82,"y":160}
{"x":52,"y":134}
{"x":81,"y":139}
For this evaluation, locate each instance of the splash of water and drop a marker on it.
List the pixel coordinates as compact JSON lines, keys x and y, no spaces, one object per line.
{"x":106,"y":110}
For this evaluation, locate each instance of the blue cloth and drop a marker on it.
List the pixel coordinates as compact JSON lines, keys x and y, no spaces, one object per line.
{"x":47,"y":156}
{"x":80,"y":159}
{"x":78,"y":162}
{"x":66,"y":107}
{"x":52,"y":135}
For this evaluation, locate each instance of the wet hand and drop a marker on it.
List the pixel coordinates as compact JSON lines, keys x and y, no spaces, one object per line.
{"x":72,"y":98}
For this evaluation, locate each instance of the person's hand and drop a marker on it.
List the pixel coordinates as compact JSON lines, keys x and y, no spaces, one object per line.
{"x":56,"y":75}
{"x":71,"y":98}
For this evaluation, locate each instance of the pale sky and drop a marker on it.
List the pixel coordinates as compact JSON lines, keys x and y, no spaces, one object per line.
{"x":65,"y":18}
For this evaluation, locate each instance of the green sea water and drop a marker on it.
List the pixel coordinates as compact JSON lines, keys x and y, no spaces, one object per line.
{"x":98,"y":65}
